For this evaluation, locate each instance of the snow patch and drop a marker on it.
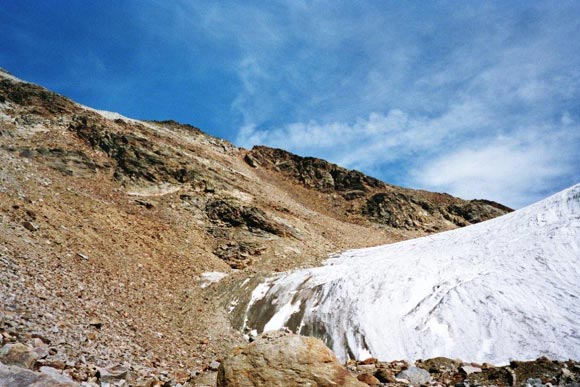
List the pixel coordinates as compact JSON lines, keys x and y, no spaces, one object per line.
{"x":154,"y":190}
{"x":7,"y":75}
{"x":502,"y":289}
{"x":211,"y":277}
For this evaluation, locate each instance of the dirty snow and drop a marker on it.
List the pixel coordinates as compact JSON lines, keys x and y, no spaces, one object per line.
{"x":504,"y":289}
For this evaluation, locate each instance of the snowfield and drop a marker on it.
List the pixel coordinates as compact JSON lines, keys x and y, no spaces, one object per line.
{"x":508,"y":288}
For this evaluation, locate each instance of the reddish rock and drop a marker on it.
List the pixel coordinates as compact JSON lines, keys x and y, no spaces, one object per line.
{"x":369,"y":379}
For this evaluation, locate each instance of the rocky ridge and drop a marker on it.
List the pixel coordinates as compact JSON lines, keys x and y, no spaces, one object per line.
{"x":360,"y":195}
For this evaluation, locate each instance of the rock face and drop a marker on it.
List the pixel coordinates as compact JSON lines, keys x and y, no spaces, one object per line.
{"x":284,"y":359}
{"x":381,"y":203}
{"x":314,"y":173}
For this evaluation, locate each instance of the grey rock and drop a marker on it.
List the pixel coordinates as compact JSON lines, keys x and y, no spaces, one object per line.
{"x":533,"y":382}
{"x":112,"y":374}
{"x":13,"y":376}
{"x":214,"y":365}
{"x":416,"y":376}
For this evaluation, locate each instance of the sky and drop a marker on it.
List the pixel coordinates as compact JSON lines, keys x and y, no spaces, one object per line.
{"x":476,"y":99}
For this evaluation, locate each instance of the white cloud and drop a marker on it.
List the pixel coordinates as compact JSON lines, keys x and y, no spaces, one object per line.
{"x":376,"y":139}
{"x":488,"y":96}
{"x":505,"y":170}
{"x":452,"y":153}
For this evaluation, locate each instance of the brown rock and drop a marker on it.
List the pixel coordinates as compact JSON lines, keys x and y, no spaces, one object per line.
{"x":541,"y":368}
{"x":494,"y":376}
{"x":111,"y":374}
{"x":385,"y":376}
{"x":369,"y":379}
{"x":91,"y":335}
{"x":283,"y":359}
{"x":94,"y":322}
{"x":19,"y":355}
{"x":439,"y":365}
{"x":29,"y":226}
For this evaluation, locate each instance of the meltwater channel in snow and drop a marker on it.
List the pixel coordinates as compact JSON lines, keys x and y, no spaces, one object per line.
{"x":508,"y":288}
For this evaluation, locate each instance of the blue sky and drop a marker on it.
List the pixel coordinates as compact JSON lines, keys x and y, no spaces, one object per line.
{"x":478,"y":99}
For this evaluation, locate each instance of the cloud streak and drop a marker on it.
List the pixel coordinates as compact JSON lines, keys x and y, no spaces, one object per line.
{"x":487,"y":110}
{"x":401,"y":91}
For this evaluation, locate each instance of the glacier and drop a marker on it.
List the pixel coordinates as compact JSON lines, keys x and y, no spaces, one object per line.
{"x":507,"y":288}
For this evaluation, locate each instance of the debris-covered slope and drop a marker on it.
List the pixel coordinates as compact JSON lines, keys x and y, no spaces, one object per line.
{"x":499,"y":290}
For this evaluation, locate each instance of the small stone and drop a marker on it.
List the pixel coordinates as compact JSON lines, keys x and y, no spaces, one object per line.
{"x":41,"y":352}
{"x":112,"y":374}
{"x":468,"y":370}
{"x":37,"y":335}
{"x":534,"y":382}
{"x":365,"y":367}
{"x":57,"y":364}
{"x":369,"y":379}
{"x":566,"y":373}
{"x":96,"y":323}
{"x":91,"y":336}
{"x":214,"y":365}
{"x":38,"y":343}
{"x":29,"y":226}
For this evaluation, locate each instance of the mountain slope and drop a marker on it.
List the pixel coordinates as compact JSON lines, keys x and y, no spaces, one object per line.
{"x":503,"y":289}
{"x":110,"y":219}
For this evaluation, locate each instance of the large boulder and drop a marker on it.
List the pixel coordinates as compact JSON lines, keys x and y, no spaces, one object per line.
{"x":416,"y":376}
{"x":283,"y":359}
{"x":13,"y":376}
{"x":19,"y":355}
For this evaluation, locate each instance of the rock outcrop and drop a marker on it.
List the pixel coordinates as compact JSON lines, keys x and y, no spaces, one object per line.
{"x":284,"y":359}
{"x":381,"y":203}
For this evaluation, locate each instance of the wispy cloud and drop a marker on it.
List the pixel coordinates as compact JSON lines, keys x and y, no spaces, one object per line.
{"x":400,"y":90}
{"x":486,"y":106}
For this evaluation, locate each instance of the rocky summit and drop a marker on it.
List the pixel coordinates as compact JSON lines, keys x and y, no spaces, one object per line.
{"x":115,"y":233}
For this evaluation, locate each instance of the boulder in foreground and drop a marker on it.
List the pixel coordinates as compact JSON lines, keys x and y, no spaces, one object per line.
{"x":13,"y":376}
{"x":284,"y":359}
